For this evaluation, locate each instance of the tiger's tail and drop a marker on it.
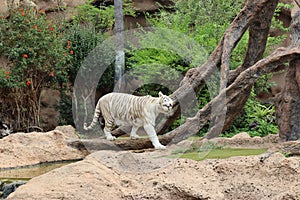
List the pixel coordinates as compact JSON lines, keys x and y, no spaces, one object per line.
{"x":95,"y":119}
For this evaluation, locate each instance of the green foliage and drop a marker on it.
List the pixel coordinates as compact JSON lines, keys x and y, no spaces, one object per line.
{"x":152,"y":56}
{"x":278,"y":25}
{"x":204,"y":21}
{"x":37,"y":58}
{"x":65,"y":110}
{"x":35,"y":49}
{"x":239,"y":52}
{"x":154,"y":66}
{"x":183,"y":38}
{"x":102,"y":18}
{"x":81,"y":40}
{"x":256,"y":119}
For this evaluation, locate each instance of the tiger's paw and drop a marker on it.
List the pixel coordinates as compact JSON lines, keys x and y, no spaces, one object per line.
{"x":111,"y":138}
{"x":134,"y":137}
{"x":160,"y":146}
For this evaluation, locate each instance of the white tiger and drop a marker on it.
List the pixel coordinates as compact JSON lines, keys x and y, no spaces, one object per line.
{"x":125,"y":109}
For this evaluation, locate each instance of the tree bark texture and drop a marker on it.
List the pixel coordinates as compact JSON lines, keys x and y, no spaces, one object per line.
{"x":288,"y":102}
{"x":258,"y":34}
{"x":257,"y":16}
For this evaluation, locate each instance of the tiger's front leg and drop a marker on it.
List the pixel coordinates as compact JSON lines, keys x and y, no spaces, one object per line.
{"x":153,"y":137}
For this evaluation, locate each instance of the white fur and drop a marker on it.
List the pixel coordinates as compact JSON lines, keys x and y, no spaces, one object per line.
{"x":126,"y":109}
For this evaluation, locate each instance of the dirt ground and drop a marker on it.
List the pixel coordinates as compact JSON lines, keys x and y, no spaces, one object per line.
{"x":151,"y":175}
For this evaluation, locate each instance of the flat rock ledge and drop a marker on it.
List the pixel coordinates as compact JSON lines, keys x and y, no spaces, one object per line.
{"x":25,"y":149}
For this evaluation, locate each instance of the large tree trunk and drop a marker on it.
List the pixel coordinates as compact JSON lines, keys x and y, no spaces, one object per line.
{"x":258,"y":34}
{"x":257,"y":15}
{"x":288,"y":106}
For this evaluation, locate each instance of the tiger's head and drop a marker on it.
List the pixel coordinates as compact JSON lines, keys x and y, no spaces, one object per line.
{"x":165,"y":103}
{"x":4,"y":130}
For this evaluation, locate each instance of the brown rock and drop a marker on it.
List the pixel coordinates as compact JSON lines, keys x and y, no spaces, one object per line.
{"x":22,"y":149}
{"x":3,"y":8}
{"x":68,"y":131}
{"x":49,"y":115}
{"x":242,"y":135}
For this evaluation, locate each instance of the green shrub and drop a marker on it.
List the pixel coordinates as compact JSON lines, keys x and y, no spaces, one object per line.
{"x":102,"y":17}
{"x":37,"y":58}
{"x":257,"y":119}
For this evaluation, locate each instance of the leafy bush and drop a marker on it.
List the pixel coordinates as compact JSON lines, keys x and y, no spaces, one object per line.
{"x":256,"y":119}
{"x":81,"y":41}
{"x":37,"y":58}
{"x":100,"y":17}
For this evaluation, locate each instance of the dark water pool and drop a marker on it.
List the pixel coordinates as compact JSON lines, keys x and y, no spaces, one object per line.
{"x":11,"y":179}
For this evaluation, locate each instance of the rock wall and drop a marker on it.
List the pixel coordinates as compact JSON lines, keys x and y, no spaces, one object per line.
{"x":3,"y":7}
{"x":49,"y":113}
{"x":46,"y":5}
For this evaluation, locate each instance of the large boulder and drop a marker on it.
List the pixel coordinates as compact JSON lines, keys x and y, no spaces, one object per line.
{"x":23,"y":149}
{"x":249,"y":177}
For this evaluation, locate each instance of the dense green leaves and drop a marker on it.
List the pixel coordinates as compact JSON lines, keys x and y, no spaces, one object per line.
{"x":37,"y":58}
{"x":257,"y":119}
{"x":35,"y":49}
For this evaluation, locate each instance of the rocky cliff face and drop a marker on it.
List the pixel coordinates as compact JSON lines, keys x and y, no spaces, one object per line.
{"x":46,"y":5}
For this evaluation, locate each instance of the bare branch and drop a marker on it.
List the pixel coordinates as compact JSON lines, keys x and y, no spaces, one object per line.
{"x":298,"y":4}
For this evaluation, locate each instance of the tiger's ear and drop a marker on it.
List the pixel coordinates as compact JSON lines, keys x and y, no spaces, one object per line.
{"x":160,"y":94}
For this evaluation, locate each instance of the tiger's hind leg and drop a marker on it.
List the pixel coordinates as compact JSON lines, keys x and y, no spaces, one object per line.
{"x":133,"y":134}
{"x":108,"y":135}
{"x":107,"y":130}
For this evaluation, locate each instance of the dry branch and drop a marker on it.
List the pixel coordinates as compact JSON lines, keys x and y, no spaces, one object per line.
{"x":256,"y":15}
